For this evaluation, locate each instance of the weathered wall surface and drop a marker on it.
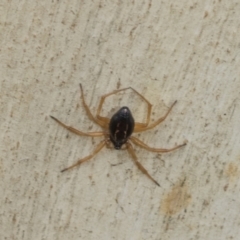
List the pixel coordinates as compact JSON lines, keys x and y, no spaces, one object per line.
{"x":167,"y":50}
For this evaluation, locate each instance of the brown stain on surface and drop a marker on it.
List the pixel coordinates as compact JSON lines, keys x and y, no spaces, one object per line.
{"x":232,"y":172}
{"x":176,"y":200}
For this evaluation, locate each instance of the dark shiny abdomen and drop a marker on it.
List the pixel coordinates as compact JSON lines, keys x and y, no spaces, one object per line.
{"x":121,"y":127}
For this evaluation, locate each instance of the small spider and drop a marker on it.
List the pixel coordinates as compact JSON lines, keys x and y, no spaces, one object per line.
{"x":120,"y":128}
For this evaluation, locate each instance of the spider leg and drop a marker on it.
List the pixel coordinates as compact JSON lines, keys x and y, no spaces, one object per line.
{"x":107,"y":120}
{"x":74,"y":130}
{"x":149,"y":110}
{"x":145,"y":146}
{"x":104,"y":119}
{"x":97,"y":149}
{"x":96,"y":120}
{"x":139,"y":128}
{"x":139,"y":165}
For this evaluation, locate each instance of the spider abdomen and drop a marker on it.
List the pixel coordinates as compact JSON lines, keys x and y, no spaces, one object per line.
{"x":121,"y":127}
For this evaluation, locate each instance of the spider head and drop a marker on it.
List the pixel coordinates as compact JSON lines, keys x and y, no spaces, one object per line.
{"x":117,"y":145}
{"x":121,"y":127}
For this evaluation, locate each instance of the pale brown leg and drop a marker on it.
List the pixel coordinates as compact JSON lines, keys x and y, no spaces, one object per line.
{"x":139,"y":128}
{"x":96,"y":120}
{"x":149,"y":107}
{"x":73,"y":130}
{"x":106,"y":120}
{"x":145,"y":146}
{"x":139,"y":165}
{"x":97,"y":149}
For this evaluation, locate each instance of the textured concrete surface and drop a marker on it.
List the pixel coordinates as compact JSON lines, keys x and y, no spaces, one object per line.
{"x":167,"y":50}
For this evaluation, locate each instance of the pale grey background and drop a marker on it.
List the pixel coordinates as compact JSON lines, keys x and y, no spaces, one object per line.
{"x":168,"y":50}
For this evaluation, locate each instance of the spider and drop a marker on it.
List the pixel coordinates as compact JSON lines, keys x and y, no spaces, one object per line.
{"x":120,"y":128}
